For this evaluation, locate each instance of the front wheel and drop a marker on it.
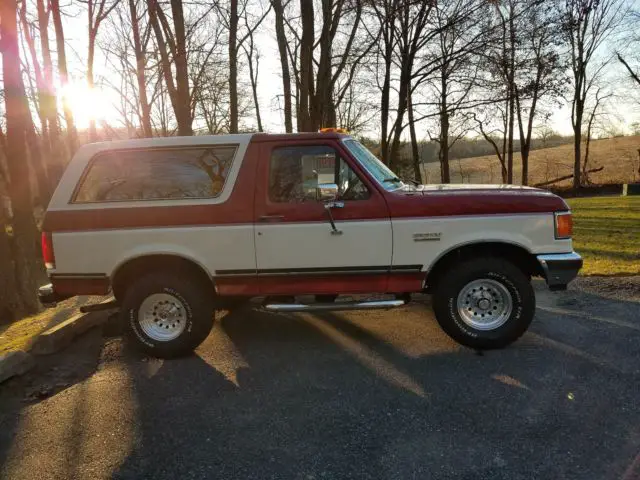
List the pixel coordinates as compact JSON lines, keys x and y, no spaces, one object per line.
{"x":484,"y":303}
{"x":167,"y":315}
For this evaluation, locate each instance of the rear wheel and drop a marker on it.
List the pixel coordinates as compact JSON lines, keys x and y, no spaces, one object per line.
{"x":167,"y":315}
{"x":484,"y":303}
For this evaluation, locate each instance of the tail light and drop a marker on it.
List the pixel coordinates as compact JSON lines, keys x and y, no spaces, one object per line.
{"x":47,"y":251}
{"x":563,"y":225}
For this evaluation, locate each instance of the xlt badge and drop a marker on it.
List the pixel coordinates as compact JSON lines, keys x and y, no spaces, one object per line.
{"x":427,"y":237}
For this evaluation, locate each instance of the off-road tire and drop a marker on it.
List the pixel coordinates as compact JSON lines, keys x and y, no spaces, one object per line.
{"x":198,"y":308}
{"x":450,"y":284}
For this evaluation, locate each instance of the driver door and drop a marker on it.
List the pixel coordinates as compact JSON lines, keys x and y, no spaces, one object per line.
{"x":297,"y":250}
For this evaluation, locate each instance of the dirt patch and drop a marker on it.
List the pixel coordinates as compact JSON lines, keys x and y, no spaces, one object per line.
{"x":616,"y":288}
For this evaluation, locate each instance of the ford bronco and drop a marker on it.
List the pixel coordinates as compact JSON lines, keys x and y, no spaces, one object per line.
{"x":177,"y":227}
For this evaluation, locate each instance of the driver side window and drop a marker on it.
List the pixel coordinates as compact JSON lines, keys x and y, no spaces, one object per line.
{"x":295,"y":172}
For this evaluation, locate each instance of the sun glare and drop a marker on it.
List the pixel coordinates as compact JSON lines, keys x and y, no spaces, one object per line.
{"x":86,"y":103}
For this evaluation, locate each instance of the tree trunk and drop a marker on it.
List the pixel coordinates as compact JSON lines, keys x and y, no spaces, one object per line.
{"x":321,"y":106}
{"x":24,"y":228}
{"x":72,"y":136}
{"x":384,"y":105}
{"x":183,"y":111}
{"x":306,"y":67}
{"x":577,"y":141}
{"x":415,"y":152}
{"x":93,"y":134}
{"x":284,"y":63}
{"x":512,"y":67}
{"x":145,"y":109}
{"x":233,"y":66}
{"x":40,"y":150}
{"x":443,"y":154}
{"x":49,"y":99}
{"x":585,"y":163}
{"x":402,"y":108}
{"x":253,"y":75}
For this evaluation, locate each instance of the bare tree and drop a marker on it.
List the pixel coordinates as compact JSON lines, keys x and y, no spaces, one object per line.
{"x":324,"y":60}
{"x":172,"y":41}
{"x":49,"y":99}
{"x":253,"y":62}
{"x":540,"y":73}
{"x":586,"y":25}
{"x":139,"y":48}
{"x":385,"y":13}
{"x":39,"y":149}
{"x":278,"y":9}
{"x":459,"y":40}
{"x":239,"y":33}
{"x":634,"y":76}
{"x":97,"y":12}
{"x":413,"y":31}
{"x":488,"y":135}
{"x":22,"y":244}
{"x":599,"y":98}
{"x":72,"y":136}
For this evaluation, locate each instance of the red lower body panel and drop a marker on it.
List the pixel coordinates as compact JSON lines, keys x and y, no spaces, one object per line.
{"x":80,"y":286}
{"x":320,"y":284}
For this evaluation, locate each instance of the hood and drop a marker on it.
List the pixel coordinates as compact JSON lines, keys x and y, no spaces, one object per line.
{"x":470,"y":199}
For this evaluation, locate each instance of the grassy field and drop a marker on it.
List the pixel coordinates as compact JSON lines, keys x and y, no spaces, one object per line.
{"x":619,"y":156}
{"x":607,"y":234}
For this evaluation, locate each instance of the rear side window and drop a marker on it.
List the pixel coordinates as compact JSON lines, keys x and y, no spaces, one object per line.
{"x":159,"y":174}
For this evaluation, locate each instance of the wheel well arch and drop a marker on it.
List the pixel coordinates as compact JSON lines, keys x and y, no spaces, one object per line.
{"x":517,"y":254}
{"x":135,"y":267}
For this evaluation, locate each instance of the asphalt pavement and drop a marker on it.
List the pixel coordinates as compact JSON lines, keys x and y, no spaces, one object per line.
{"x":379,"y":395}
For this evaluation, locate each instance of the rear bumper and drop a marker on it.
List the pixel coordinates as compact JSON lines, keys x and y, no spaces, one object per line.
{"x":48,"y":296}
{"x":560,"y":268}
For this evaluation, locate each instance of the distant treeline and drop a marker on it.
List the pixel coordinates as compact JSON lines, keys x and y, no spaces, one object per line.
{"x":468,"y":148}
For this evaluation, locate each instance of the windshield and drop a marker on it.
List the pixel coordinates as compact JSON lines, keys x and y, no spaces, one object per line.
{"x":375,"y":167}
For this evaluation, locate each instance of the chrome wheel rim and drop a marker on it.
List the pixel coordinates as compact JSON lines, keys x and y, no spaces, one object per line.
{"x":484,"y":304}
{"x":162,"y":317}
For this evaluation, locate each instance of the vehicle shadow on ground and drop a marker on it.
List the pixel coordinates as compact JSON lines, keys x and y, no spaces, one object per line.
{"x":371,"y":395}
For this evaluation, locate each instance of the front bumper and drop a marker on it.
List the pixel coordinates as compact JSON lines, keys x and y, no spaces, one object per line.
{"x":48,"y":296}
{"x":560,"y":268}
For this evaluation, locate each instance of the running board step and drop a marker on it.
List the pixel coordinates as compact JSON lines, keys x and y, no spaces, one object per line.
{"x":316,"y":307}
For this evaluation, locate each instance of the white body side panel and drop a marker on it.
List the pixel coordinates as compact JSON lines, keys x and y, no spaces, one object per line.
{"x":103,"y":251}
{"x":304,"y":245}
{"x":534,"y":232}
{"x":311,"y":245}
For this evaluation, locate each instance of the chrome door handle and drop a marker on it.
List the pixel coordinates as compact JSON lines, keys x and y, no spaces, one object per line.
{"x":271,"y":218}
{"x":334,"y":205}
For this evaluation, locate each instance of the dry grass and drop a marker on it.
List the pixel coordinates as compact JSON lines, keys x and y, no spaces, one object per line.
{"x":22,"y":333}
{"x":619,"y":156}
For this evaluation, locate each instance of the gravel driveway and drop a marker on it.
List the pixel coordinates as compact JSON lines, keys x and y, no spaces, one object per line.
{"x":382,"y":395}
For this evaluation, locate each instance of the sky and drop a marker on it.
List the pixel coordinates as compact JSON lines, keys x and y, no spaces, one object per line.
{"x":624,"y":109}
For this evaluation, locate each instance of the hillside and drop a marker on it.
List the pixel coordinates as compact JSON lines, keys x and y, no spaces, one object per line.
{"x":619,"y":156}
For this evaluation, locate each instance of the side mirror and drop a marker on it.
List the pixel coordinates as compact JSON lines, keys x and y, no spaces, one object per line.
{"x":326,"y":192}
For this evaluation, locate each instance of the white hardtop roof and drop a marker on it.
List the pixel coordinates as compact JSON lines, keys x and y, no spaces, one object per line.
{"x":239,"y":139}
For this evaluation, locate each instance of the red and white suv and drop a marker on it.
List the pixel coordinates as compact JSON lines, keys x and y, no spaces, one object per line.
{"x":177,"y":227}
